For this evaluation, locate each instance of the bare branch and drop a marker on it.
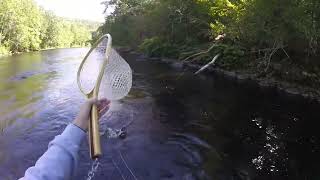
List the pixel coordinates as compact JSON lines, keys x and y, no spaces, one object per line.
{"x":207,"y":65}
{"x":203,"y":52}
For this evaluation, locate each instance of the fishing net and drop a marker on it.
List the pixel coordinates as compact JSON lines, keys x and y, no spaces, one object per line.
{"x":116,"y":80}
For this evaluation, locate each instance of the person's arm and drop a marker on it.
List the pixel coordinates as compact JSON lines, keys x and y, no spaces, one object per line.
{"x":60,"y":160}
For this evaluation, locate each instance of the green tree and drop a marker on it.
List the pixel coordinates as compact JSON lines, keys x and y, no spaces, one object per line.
{"x":26,"y":27}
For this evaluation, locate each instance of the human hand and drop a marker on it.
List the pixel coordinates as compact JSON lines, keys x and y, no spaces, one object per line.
{"x":82,"y":120}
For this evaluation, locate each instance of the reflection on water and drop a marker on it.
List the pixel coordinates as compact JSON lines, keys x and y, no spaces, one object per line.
{"x":177,"y":125}
{"x":19,"y":87}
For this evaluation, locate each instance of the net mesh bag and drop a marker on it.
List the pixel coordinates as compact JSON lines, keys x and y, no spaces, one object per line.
{"x":117,"y":78}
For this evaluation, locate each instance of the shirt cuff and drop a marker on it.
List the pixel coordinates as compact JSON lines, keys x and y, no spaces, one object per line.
{"x":70,"y":139}
{"x":73,"y":133}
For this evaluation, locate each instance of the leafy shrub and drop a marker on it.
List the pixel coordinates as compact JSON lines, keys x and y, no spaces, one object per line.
{"x":4,"y":51}
{"x":232,"y":56}
{"x":157,"y":47}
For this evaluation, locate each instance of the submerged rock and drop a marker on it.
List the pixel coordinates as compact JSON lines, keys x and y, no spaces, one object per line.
{"x":165,"y":173}
{"x":23,"y":75}
{"x":177,"y":65}
{"x":154,"y":58}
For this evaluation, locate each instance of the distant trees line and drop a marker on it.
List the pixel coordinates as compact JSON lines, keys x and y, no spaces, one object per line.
{"x":24,"y":26}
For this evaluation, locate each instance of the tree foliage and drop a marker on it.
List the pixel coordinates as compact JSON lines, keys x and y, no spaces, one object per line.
{"x":24,"y":26}
{"x":253,"y":23}
{"x":256,"y":34}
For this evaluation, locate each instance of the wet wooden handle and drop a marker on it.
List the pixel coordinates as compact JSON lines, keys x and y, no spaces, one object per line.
{"x":94,"y":135}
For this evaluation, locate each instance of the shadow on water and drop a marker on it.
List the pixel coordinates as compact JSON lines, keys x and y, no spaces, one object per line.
{"x":236,"y":130}
{"x":178,"y":126}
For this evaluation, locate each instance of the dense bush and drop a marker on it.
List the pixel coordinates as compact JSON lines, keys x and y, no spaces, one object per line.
{"x":157,"y":47}
{"x":4,"y":51}
{"x":256,"y":33}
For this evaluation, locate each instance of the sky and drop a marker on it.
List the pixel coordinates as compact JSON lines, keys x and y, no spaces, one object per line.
{"x":79,"y":9}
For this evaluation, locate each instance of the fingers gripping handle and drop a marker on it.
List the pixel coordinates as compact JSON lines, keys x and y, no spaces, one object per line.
{"x":94,"y":135}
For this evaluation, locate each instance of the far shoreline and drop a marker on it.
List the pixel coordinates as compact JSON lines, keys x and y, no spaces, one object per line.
{"x":45,"y":49}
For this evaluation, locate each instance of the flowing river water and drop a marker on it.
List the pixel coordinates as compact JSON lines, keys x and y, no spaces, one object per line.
{"x":179,"y":126}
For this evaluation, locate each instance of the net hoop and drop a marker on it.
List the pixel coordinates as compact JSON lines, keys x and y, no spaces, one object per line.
{"x":95,"y":89}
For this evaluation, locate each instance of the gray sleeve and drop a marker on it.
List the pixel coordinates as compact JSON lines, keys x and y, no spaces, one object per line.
{"x":59,"y":162}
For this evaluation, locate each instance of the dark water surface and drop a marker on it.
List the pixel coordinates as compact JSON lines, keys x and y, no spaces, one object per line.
{"x":181,"y":126}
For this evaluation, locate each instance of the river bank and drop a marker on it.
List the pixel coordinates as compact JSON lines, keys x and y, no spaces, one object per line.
{"x":288,"y":88}
{"x":44,"y":49}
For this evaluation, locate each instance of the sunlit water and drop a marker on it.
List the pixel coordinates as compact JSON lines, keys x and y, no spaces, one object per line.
{"x":180,"y":126}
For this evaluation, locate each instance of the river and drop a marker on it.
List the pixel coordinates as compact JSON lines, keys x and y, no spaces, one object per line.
{"x":180,"y":126}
